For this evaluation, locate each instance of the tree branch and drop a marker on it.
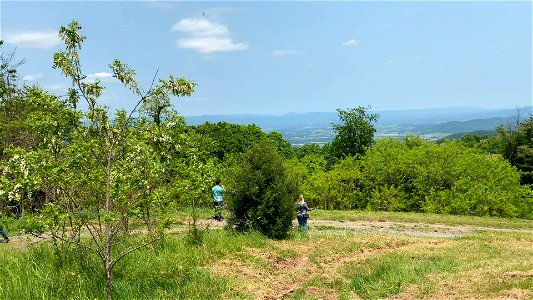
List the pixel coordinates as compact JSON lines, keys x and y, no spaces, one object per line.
{"x":123,"y":254}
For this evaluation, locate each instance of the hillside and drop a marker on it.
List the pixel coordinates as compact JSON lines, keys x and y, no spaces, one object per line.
{"x":432,"y":124}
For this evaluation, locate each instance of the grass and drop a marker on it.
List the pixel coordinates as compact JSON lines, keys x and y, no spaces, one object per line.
{"x":386,"y":275}
{"x":325,"y":264}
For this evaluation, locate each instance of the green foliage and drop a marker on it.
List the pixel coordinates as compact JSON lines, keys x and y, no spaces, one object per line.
{"x":418,"y":176}
{"x":226,"y":139}
{"x":514,"y":142}
{"x":261,"y":194}
{"x":281,"y":145}
{"x":354,"y":134}
{"x":95,"y":170}
{"x":307,"y":149}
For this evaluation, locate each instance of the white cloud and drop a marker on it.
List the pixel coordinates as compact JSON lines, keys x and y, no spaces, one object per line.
{"x":103,"y":76}
{"x":350,"y":43}
{"x":200,"y":27}
{"x":33,"y":39}
{"x":30,"y":77}
{"x":278,"y":53}
{"x":206,"y":36}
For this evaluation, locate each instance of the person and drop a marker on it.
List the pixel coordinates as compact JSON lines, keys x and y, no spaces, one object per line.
{"x":4,"y":235}
{"x":302,"y":214}
{"x":218,"y":193}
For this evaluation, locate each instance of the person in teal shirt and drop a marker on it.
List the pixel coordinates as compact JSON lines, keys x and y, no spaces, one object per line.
{"x":218,"y":194}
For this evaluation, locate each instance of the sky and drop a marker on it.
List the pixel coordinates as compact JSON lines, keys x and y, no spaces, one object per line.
{"x":280,"y":57}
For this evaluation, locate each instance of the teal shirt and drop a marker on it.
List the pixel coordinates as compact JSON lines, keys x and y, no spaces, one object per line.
{"x":218,"y":192}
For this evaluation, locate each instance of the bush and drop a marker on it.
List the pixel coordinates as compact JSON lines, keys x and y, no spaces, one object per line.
{"x":419,"y":176}
{"x":260,"y":193}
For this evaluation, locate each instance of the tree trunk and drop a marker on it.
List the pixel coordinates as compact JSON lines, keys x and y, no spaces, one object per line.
{"x":107,"y":255}
{"x":108,"y":278}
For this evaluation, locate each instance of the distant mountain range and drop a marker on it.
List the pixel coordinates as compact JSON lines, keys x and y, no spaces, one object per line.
{"x":433,"y":123}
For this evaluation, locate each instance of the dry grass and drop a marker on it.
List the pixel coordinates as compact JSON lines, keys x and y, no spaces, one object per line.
{"x":486,"y":265}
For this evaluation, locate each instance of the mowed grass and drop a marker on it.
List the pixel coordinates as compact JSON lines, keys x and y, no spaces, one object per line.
{"x":326,"y":264}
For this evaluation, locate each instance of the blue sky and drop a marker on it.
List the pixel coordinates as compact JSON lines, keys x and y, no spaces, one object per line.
{"x":281,"y":57}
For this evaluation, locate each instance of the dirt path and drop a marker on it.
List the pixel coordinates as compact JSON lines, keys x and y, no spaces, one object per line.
{"x":411,"y":229}
{"x":427,"y":230}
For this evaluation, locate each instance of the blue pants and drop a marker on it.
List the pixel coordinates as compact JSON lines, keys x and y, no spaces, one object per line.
{"x":302,"y":224}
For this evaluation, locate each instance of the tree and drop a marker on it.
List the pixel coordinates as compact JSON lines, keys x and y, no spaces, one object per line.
{"x":227,"y":138}
{"x":354,"y":135}
{"x":281,"y":145}
{"x":109,"y":167}
{"x":157,"y":105}
{"x":13,"y":108}
{"x":524,"y":153}
{"x":516,"y":145}
{"x":308,"y":149}
{"x":261,"y":194}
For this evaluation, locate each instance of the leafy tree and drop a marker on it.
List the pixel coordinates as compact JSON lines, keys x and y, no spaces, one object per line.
{"x":524,"y":153}
{"x":355,"y":133}
{"x":227,"y":139}
{"x":110,"y":168}
{"x":157,"y":105}
{"x":515,"y":143}
{"x":307,"y":149}
{"x":13,"y":108}
{"x":420,"y":176}
{"x":448,"y":178}
{"x":261,"y":193}
{"x":283,"y":147}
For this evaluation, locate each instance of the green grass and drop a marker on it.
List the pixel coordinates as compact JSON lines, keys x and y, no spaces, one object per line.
{"x":171,"y":269}
{"x":370,"y":265}
{"x":389,"y":274}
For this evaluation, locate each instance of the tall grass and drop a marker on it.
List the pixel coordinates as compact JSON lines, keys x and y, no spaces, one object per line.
{"x":171,"y":269}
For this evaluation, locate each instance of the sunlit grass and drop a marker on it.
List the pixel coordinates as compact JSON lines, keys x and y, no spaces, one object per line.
{"x":324,"y":263}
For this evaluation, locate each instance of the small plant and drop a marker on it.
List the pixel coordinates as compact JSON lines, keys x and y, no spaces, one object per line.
{"x":195,"y":235}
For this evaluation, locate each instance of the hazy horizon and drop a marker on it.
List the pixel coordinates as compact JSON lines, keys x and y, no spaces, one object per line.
{"x":527,"y":107}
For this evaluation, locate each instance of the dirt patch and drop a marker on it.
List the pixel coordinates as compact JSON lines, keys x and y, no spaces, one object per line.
{"x":281,"y":276}
{"x":515,"y":294}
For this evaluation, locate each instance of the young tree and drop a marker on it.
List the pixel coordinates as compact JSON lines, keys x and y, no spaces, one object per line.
{"x":261,"y":194}
{"x":114,"y":167}
{"x":354,"y":135}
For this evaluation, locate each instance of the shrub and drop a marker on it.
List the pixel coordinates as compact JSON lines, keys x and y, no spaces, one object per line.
{"x":260,"y":193}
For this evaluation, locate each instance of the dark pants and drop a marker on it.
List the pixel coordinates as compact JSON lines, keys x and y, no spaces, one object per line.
{"x":302,"y":224}
{"x":218,"y":210}
{"x":3,"y":233}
